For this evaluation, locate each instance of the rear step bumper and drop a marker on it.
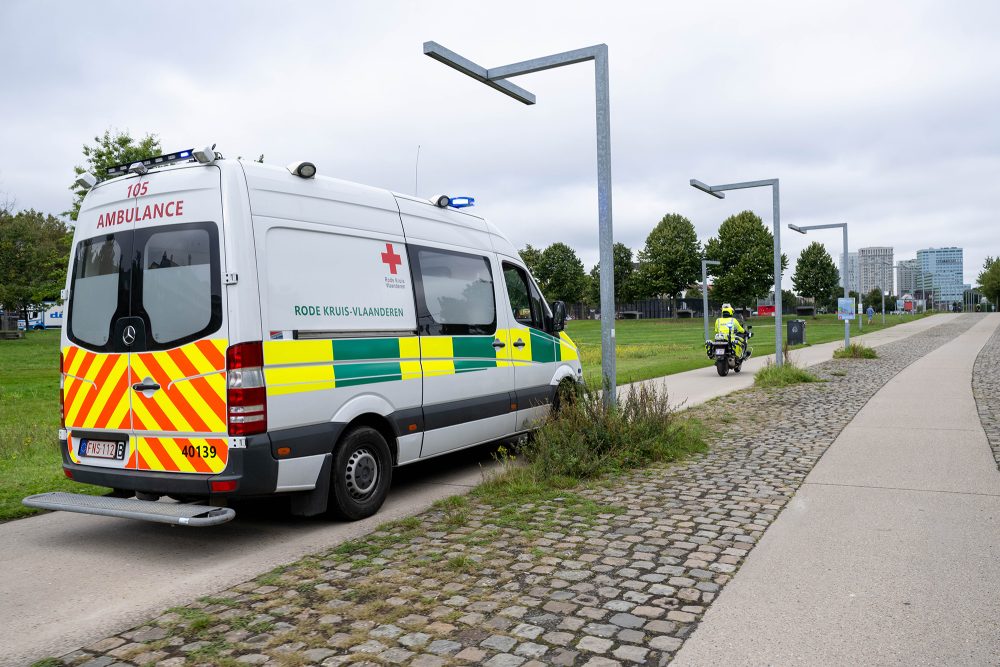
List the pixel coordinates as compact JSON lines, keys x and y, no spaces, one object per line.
{"x":178,"y":514}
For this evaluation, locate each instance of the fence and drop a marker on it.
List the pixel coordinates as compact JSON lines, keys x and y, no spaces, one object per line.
{"x":648,"y":309}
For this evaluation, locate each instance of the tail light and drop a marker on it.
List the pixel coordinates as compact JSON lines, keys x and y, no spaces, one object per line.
{"x":246,"y":393}
{"x":62,"y":395}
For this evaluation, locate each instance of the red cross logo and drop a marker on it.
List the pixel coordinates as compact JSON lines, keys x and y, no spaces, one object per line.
{"x":391,"y":258}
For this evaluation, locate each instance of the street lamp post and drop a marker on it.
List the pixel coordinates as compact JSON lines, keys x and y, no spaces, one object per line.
{"x":496,"y":77}
{"x":719,"y":191}
{"x":843,"y":269}
{"x":704,"y":289}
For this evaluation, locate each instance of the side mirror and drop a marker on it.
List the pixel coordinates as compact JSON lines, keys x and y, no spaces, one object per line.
{"x":558,"y":316}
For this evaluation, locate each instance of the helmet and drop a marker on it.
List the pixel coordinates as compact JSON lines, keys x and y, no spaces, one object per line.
{"x":727,"y":310}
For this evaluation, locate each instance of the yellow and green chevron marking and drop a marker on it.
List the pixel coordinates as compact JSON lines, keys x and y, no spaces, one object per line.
{"x":294,"y":366}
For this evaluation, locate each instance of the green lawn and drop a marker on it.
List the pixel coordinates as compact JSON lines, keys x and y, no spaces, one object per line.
{"x":651,"y":348}
{"x":29,"y":421}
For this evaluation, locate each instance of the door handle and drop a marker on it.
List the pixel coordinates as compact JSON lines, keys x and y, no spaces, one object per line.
{"x":498,"y":344}
{"x":519,"y":343}
{"x":144,"y":386}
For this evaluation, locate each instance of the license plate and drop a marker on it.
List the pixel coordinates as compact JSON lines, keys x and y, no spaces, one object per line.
{"x":103,"y":449}
{"x":720,"y":353}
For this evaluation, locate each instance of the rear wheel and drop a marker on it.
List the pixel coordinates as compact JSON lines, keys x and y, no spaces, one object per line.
{"x":361,"y":474}
{"x":722,"y":366}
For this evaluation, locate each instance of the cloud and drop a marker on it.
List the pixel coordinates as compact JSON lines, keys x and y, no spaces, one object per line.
{"x":880,"y":114}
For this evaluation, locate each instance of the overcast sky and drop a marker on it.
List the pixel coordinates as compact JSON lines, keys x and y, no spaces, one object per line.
{"x":884,"y":115}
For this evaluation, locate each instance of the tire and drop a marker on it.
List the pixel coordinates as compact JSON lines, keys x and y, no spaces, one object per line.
{"x":361,"y":474}
{"x":567,"y":392}
{"x":738,"y":367}
{"x":722,"y":367}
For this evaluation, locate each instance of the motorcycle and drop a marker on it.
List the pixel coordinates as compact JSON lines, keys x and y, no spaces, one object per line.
{"x":729,"y":353}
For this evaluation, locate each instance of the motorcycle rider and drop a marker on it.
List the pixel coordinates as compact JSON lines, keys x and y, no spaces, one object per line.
{"x":733,"y":327}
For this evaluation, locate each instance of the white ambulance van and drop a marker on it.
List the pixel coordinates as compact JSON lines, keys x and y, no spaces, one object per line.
{"x":238,"y":329}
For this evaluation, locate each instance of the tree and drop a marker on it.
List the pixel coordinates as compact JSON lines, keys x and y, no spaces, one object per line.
{"x":816,"y":276}
{"x":560,"y":274}
{"x":873,"y":299}
{"x":788,"y":301}
{"x":745,"y":248}
{"x":624,"y":277}
{"x":989,"y":280}
{"x":531,"y":257}
{"x":107,"y":151}
{"x":34,"y":253}
{"x":671,"y":259}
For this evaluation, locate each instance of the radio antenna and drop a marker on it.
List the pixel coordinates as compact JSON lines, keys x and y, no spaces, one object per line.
{"x":416,"y":174}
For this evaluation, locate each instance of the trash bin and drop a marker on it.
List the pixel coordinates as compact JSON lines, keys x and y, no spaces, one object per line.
{"x":796,"y":332}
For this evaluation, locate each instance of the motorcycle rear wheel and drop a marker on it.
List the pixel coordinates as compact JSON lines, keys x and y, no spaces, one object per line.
{"x":722,"y":367}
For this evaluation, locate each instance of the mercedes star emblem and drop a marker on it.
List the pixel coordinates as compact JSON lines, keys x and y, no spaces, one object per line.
{"x":128,"y":335}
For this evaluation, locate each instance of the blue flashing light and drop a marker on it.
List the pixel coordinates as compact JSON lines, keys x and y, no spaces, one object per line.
{"x":158,"y":161}
{"x":461,"y":202}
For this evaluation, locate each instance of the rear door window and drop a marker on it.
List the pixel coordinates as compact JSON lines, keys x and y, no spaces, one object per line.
{"x":177,"y":283}
{"x":99,"y":288}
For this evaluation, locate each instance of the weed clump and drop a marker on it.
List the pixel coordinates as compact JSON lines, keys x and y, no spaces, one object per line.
{"x":787,"y":374}
{"x":584,"y":440}
{"x":855,"y":351}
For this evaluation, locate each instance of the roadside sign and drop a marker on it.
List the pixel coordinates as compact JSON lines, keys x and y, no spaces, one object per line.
{"x":846,"y":309}
{"x":765,"y":311}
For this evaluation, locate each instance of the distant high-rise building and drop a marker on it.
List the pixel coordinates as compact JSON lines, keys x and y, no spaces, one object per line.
{"x":875,"y":269}
{"x":852,"y":271}
{"x":906,"y":276}
{"x":940,"y":274}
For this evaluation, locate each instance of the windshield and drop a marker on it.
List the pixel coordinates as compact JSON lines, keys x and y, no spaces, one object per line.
{"x":172,"y":286}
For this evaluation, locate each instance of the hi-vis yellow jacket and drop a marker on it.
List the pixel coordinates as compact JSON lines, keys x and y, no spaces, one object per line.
{"x":729,"y":326}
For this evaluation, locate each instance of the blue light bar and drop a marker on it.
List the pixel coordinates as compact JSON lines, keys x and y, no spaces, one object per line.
{"x":461,"y":202}
{"x":158,"y":161}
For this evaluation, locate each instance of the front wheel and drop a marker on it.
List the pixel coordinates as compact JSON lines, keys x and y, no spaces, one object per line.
{"x":722,"y":366}
{"x":362,"y":473}
{"x":738,"y":367}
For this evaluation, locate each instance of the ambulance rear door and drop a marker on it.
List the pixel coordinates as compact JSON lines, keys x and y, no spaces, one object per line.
{"x":169,"y":322}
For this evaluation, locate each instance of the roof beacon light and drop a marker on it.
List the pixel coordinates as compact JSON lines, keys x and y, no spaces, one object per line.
{"x":158,"y":161}
{"x":206,"y":155}
{"x":138,"y":168}
{"x":462,"y":202}
{"x":86,"y":180}
{"x":303,"y":169}
{"x":441,"y":201}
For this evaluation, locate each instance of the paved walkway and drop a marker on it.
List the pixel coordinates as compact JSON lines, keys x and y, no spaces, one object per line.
{"x":703,"y":384}
{"x":889,"y":553}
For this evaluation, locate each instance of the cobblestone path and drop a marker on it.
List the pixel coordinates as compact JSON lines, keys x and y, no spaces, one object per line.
{"x":986,"y":389}
{"x":619,"y":573}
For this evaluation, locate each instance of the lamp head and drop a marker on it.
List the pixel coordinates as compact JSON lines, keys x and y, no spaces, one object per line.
{"x":796,"y":228}
{"x":695,"y":183}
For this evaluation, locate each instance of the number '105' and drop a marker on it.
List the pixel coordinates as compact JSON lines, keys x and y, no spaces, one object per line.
{"x":138,"y":189}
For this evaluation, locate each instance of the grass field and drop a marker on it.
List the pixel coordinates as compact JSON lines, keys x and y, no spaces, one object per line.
{"x":651,"y":348}
{"x":29,"y":388}
{"x":29,"y":419}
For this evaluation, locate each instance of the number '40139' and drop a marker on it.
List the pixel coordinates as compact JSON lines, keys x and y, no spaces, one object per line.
{"x":138,"y":189}
{"x":199,"y":451}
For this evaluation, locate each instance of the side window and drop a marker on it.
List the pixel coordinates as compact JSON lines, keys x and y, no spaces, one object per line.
{"x":454,"y":293}
{"x":526,"y":303}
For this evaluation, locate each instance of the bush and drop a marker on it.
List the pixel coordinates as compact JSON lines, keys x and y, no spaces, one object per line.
{"x":583,"y":440}
{"x":788,"y":373}
{"x":855,"y":351}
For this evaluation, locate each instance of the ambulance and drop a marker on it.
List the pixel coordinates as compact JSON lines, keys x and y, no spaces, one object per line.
{"x":235,"y":329}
